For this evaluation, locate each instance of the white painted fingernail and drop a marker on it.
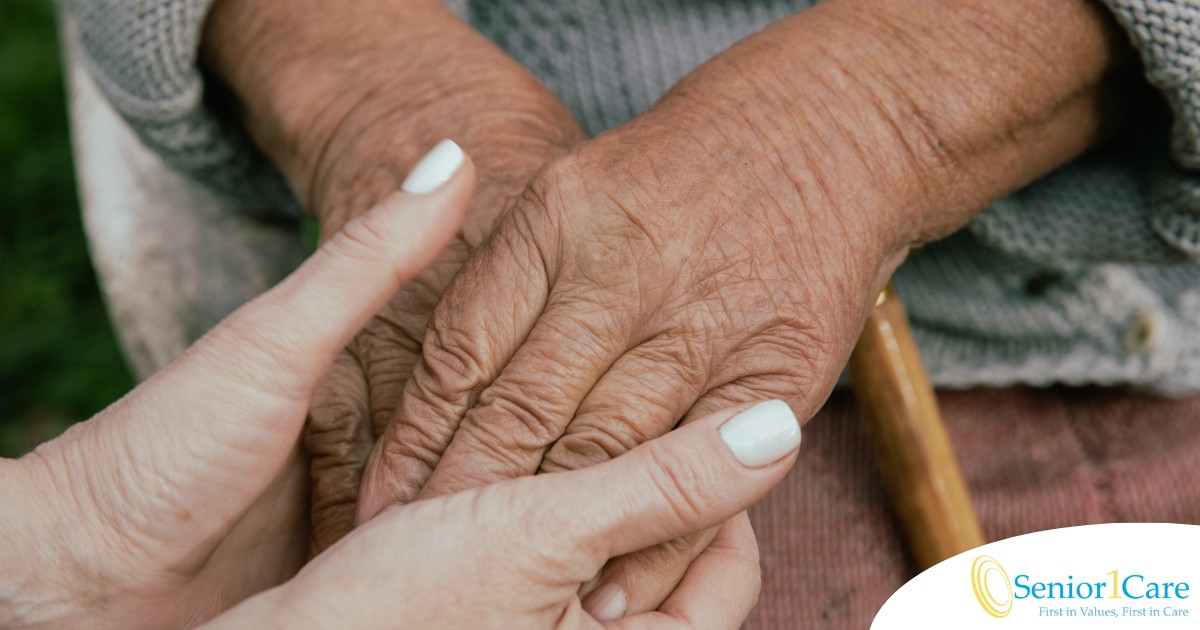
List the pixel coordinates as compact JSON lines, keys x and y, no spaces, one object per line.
{"x":762,"y":434}
{"x":607,"y":603}
{"x":435,"y":169}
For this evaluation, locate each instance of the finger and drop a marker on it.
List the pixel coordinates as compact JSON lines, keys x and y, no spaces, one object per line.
{"x":214,"y":428}
{"x":660,"y":377}
{"x":650,"y":575}
{"x":718,"y":592}
{"x":533,"y":537}
{"x":686,"y":481}
{"x":528,"y":407}
{"x":477,"y":326}
{"x":641,"y":397}
{"x":390,"y":344}
{"x":285,"y":340}
{"x":338,"y":439}
{"x":647,"y":577}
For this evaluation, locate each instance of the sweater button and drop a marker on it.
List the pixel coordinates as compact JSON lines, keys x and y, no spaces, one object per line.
{"x":1144,"y":333}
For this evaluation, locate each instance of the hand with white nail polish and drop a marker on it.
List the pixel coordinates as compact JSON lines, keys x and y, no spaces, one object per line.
{"x":344,"y":102}
{"x":190,"y":494}
{"x":726,"y":244}
{"x":513,"y":554}
{"x":677,"y":265}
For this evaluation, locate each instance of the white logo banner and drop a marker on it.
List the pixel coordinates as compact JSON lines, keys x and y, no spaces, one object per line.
{"x":1122,"y":575}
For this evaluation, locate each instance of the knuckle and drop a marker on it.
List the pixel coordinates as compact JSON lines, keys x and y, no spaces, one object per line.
{"x":364,"y":236}
{"x":452,"y":360}
{"x":411,"y":445}
{"x":670,"y":559}
{"x":402,"y":469}
{"x":391,"y":335}
{"x":336,"y":413}
{"x":515,"y":418}
{"x":591,"y":441}
{"x":334,"y":499}
{"x":558,"y":179}
{"x":542,"y":214}
{"x":457,"y":351}
{"x":337,"y":432}
{"x":676,"y":481}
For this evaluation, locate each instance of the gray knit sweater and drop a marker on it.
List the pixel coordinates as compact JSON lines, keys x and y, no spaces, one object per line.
{"x":1090,"y":275}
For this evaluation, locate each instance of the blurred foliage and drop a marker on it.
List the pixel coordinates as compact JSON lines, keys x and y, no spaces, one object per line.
{"x":59,"y":361}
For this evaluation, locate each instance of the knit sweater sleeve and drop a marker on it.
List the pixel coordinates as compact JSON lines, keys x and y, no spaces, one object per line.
{"x":1136,"y":199}
{"x":143,"y":56}
{"x":1167,"y":35}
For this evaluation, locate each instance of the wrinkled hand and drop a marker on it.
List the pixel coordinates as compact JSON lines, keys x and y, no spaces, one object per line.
{"x":644,"y":280}
{"x":726,"y":245}
{"x":343,"y":103}
{"x":513,"y":555}
{"x":344,"y":100}
{"x":190,"y":494}
{"x":360,"y":395}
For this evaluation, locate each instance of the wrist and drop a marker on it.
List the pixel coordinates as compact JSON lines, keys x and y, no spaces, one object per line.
{"x":344,"y":101}
{"x":915,"y":116}
{"x":507,"y":133}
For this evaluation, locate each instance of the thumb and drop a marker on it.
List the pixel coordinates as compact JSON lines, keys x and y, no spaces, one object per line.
{"x":215,"y":427}
{"x":691,"y":479}
{"x":411,"y":562}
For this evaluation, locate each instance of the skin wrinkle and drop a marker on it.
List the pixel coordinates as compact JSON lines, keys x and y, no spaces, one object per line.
{"x":768,"y":132}
{"x":618,"y":430}
{"x":516,"y":414}
{"x":85,"y":506}
{"x":542,"y":195}
{"x":530,"y":419}
{"x":350,"y":192}
{"x":615,"y":428}
{"x":318,"y":173}
{"x":606,"y":407}
{"x":636,"y":229}
{"x":929,"y":146}
{"x":848,"y":181}
{"x":669,"y":482}
{"x":333,"y":495}
{"x":368,"y":159}
{"x":425,"y":450}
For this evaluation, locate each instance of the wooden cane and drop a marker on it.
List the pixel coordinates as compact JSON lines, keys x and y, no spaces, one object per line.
{"x":915,"y":454}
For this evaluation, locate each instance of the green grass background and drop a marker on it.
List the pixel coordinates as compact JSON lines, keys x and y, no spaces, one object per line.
{"x":59,"y":362}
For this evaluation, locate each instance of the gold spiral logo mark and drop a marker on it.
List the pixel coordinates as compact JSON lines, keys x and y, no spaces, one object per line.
{"x":983,"y":568}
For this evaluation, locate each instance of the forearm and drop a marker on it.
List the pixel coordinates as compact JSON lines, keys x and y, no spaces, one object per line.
{"x":307,"y":80}
{"x":920,"y":112}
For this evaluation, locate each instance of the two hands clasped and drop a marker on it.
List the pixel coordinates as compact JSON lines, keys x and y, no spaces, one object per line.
{"x":189,"y":495}
{"x":589,"y":295}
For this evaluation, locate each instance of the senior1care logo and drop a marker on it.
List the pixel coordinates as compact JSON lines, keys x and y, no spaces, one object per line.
{"x":1133,"y":575}
{"x":996,"y":593}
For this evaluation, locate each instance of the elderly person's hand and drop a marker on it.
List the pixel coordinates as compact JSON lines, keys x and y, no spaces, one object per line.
{"x":726,"y":245}
{"x":190,"y":493}
{"x":182,"y":499}
{"x":513,"y":555}
{"x":343,"y":98}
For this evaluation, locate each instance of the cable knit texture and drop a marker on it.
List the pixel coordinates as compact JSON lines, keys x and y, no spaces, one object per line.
{"x":1090,"y":275}
{"x":143,"y":55}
